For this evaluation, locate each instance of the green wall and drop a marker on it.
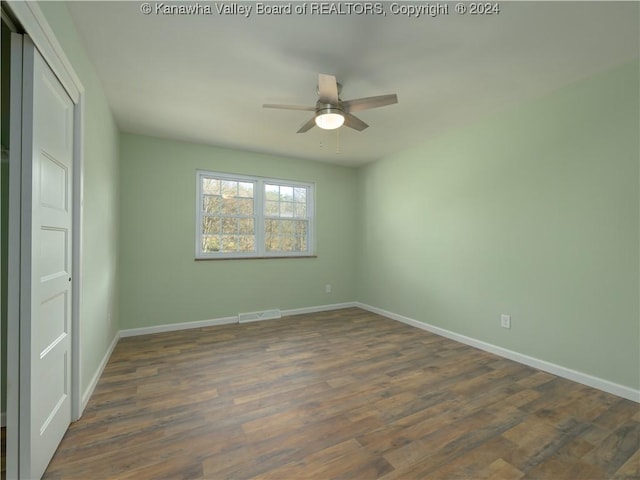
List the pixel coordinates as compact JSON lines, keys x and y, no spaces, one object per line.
{"x":533,"y":213}
{"x":160,"y":283}
{"x":98,"y":312}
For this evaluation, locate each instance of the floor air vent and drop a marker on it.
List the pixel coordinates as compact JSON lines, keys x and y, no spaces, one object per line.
{"x":257,"y":316}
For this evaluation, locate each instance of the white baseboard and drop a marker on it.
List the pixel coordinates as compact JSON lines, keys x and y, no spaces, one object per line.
{"x":172,"y":327}
{"x":98,"y":373}
{"x":570,"y":374}
{"x":319,"y":308}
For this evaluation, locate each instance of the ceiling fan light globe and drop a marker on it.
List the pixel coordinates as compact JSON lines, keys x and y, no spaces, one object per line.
{"x":329,"y":121}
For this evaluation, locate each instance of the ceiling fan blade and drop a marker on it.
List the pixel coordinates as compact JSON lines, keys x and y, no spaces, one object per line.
{"x":328,"y":89}
{"x":289,"y":107}
{"x":354,"y":122}
{"x":369,"y":102}
{"x":308,"y":125}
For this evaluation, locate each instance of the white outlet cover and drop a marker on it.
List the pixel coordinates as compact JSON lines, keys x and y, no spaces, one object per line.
{"x":505,"y":321}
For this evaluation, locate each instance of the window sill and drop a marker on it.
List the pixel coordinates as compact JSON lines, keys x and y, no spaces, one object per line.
{"x":215,"y":259}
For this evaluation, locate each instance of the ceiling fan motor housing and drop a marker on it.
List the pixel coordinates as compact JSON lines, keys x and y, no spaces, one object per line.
{"x":324,"y":108}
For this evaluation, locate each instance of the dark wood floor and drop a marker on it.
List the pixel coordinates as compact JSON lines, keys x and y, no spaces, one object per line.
{"x":339,"y":395}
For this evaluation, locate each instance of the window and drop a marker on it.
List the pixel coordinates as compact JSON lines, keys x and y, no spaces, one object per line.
{"x":243,"y":217}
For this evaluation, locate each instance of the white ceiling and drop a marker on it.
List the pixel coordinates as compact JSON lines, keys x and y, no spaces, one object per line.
{"x":204,"y":78}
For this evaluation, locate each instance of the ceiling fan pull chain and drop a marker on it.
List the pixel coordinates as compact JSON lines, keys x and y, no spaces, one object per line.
{"x":337,"y":141}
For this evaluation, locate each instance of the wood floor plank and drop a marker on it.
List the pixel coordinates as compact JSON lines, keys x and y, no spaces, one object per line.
{"x":474,"y":463}
{"x":345,"y":394}
{"x":616,"y":449}
{"x":501,"y":470}
{"x":630,"y":469}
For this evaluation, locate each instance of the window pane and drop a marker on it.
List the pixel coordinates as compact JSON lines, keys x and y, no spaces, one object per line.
{"x":271,"y":209}
{"x":229,"y":188}
{"x":286,"y":227}
{"x":286,"y":209}
{"x":286,"y":193}
{"x":301,"y":228}
{"x":300,"y":210}
{"x":246,"y":226}
{"x":286,"y":235}
{"x":246,"y":243}
{"x":211,"y":204}
{"x":229,"y":243}
{"x":229,"y":206}
{"x":271,"y":226}
{"x":211,"y":225}
{"x":210,"y":243}
{"x":290,"y":244}
{"x":245,"y":189}
{"x":211,"y":186}
{"x":300,"y":194}
{"x":272,"y":243}
{"x":245,"y":206}
{"x":271,"y":192}
{"x":229,"y":226}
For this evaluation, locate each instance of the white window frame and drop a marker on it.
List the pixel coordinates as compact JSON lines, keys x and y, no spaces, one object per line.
{"x":259,"y":215}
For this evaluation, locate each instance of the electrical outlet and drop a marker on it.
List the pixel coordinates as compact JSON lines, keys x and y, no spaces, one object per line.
{"x":327,"y":288}
{"x":505,"y":321}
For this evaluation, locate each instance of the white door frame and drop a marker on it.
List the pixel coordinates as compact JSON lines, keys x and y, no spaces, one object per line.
{"x":33,"y":21}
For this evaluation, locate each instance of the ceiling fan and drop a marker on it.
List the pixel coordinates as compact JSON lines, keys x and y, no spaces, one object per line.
{"x":331,"y":112}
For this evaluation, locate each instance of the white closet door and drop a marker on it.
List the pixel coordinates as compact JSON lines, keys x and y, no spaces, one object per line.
{"x":45,"y":326}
